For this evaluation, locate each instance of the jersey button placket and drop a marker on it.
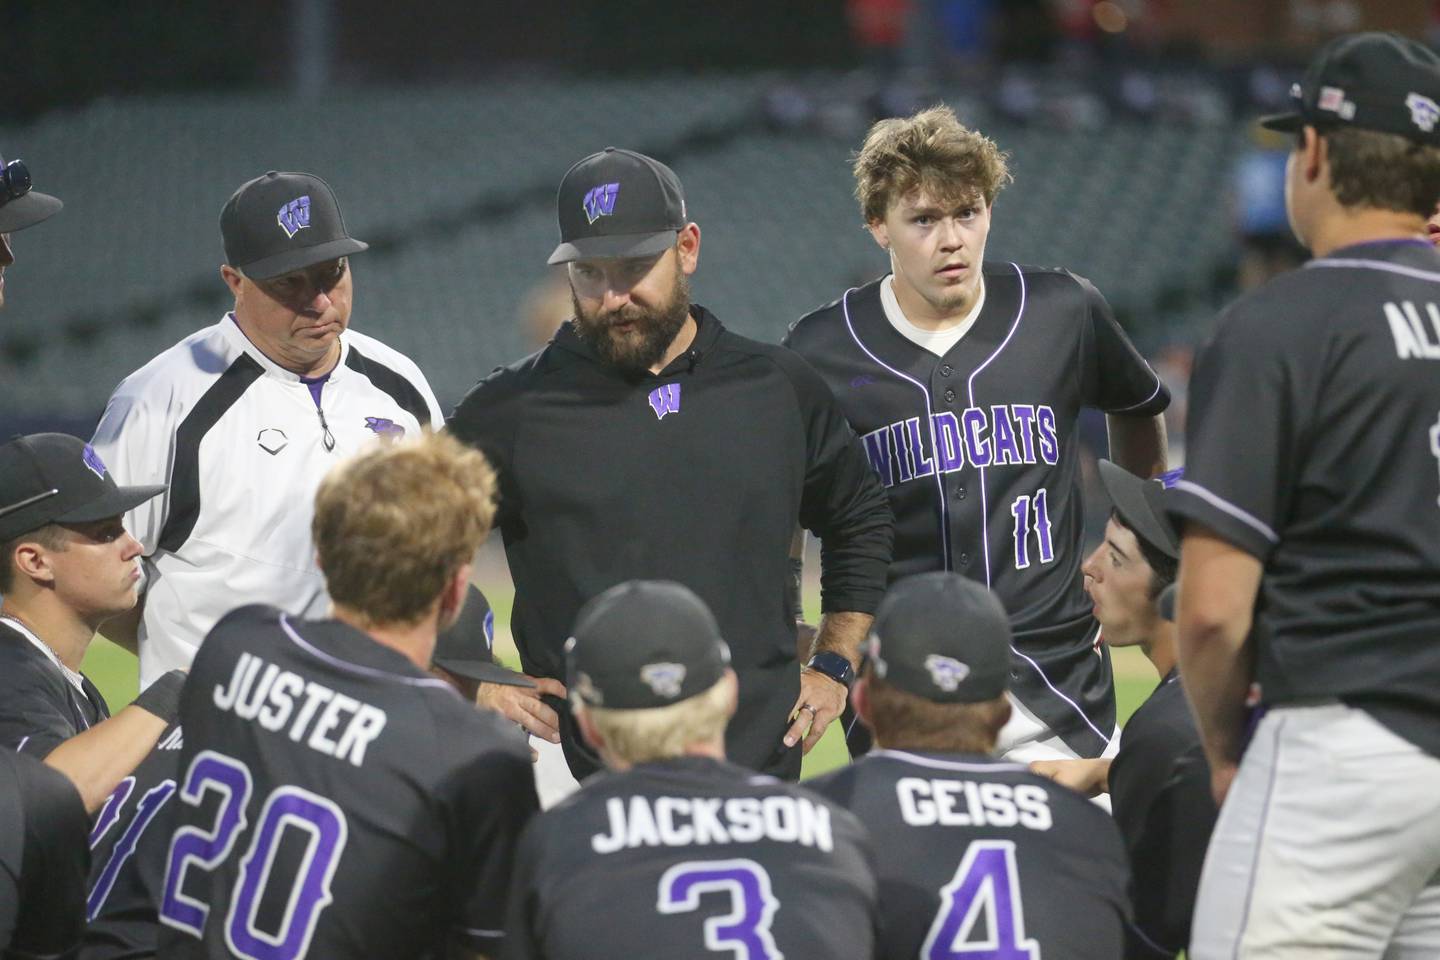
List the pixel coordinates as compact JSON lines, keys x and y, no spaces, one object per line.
{"x":946,"y":369}
{"x":949,"y":396}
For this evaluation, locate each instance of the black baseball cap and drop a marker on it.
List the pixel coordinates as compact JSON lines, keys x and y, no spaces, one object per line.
{"x":57,"y":478}
{"x":942,"y":637}
{"x":283,"y":222}
{"x":464,"y":647}
{"x":20,"y":206}
{"x":1165,"y":603}
{"x":1370,"y":81}
{"x":618,"y":203}
{"x":1141,"y":505}
{"x":644,"y":644}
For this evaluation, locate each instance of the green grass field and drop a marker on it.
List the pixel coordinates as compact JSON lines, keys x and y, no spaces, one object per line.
{"x":115,"y":671}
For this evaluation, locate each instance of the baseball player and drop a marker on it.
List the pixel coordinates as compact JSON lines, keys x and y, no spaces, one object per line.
{"x":130,"y":841}
{"x":334,"y":799}
{"x":648,"y":441}
{"x":960,"y":836}
{"x":243,"y":418}
{"x":965,"y":379}
{"x":1311,"y":511}
{"x":43,"y":858}
{"x":20,"y":207}
{"x":674,"y":851}
{"x":67,"y":565}
{"x":1159,"y":784}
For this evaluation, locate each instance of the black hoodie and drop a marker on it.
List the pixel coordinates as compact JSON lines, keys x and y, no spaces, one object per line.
{"x":698,"y":474}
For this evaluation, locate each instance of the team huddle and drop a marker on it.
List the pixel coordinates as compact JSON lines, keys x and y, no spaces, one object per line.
{"x":325,"y":760}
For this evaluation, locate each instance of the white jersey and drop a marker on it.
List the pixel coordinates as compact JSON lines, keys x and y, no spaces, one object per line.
{"x":243,"y":444}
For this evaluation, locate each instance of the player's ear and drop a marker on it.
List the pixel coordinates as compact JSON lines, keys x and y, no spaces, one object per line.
{"x":32,"y":560}
{"x":1314,"y":154}
{"x":233,"y":278}
{"x":860,"y":700}
{"x":588,"y":731}
{"x":687,"y":248}
{"x":452,"y":600}
{"x":879,"y":232}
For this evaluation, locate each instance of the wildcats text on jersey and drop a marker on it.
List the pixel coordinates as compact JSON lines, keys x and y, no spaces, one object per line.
{"x":701,"y":821}
{"x":270,"y":699}
{"x":1006,"y":433}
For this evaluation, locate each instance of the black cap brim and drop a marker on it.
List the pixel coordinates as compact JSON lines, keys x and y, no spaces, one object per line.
{"x":1284,"y":122}
{"x":28,"y":211}
{"x":1127,"y":493}
{"x":484,"y":671}
{"x":119,"y":501}
{"x":292,"y":260}
{"x":638,"y":245}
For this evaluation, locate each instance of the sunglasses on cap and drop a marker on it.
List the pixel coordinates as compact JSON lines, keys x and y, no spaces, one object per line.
{"x":14,"y":181}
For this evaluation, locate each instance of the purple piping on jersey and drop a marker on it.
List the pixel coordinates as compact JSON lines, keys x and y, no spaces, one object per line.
{"x":23,"y":741}
{"x":1412,"y":272}
{"x":970,"y":390}
{"x":985,"y":508}
{"x":1142,"y":403}
{"x":1227,"y":507}
{"x":1259,"y":834}
{"x":948,"y":764}
{"x":363,"y":671}
{"x":929,"y":420}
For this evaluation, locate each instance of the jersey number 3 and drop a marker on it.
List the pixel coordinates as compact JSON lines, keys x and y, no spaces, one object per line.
{"x":286,"y":808}
{"x":986,"y":886}
{"x":1021,"y":511}
{"x":744,"y":932}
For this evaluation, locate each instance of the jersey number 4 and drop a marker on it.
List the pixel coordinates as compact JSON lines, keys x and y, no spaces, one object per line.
{"x":744,"y":932}
{"x":981,"y":915}
{"x":1021,"y":511}
{"x":286,"y":808}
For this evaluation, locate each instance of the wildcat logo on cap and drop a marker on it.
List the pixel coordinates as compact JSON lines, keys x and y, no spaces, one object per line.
{"x":93,"y":462}
{"x":665,"y":400}
{"x":1423,"y":111}
{"x":294,"y":216}
{"x":664,"y":678}
{"x":946,"y":672}
{"x":600,"y":201}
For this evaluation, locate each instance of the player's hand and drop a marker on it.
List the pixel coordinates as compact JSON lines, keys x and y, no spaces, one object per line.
{"x":524,"y":706}
{"x":1088,"y":777}
{"x":1222,"y":775}
{"x":821,"y":700}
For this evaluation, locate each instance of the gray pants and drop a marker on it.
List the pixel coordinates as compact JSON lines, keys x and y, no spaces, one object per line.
{"x":1328,"y":845}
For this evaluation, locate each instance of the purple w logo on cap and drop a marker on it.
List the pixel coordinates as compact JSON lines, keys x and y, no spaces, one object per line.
{"x":600,"y":202}
{"x":294,"y":216}
{"x":665,"y":400}
{"x":93,"y":461}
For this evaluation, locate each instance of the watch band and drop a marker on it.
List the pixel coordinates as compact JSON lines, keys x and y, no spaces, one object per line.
{"x":833,"y":665}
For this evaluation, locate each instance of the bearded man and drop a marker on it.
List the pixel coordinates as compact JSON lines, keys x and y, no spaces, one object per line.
{"x":646,"y":441}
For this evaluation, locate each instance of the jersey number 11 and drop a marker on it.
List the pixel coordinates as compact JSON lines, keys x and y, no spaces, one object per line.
{"x":1021,"y":511}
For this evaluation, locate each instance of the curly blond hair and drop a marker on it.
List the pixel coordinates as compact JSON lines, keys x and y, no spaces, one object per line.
{"x":931,"y":150}
{"x":394,"y":524}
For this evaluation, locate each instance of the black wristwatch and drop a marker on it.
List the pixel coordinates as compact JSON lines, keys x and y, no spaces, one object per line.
{"x":834,"y":666}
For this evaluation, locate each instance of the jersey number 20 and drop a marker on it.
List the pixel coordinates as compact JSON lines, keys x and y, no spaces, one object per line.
{"x":744,"y":932}
{"x":987,"y":886}
{"x":286,"y":808}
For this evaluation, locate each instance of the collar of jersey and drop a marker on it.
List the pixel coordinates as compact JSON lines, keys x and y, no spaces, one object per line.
{"x":230,"y":328}
{"x":947,"y":761}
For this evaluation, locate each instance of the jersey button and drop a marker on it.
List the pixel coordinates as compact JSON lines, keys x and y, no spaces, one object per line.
{"x":950,"y":396}
{"x":959,"y":493}
{"x":964,"y":559}
{"x":946,"y":369}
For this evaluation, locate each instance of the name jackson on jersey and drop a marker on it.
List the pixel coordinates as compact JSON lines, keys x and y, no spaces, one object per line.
{"x":1006,"y":433}
{"x":700,"y":821}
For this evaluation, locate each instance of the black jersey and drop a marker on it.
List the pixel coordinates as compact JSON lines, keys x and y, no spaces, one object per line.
{"x":335,"y":801}
{"x":698,"y":474}
{"x":692,"y":857}
{"x":129,"y":843}
{"x":1314,"y":444}
{"x":1160,"y":792}
{"x":979,"y":451}
{"x":40,"y":708}
{"x":43,"y":858}
{"x":961,"y":838}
